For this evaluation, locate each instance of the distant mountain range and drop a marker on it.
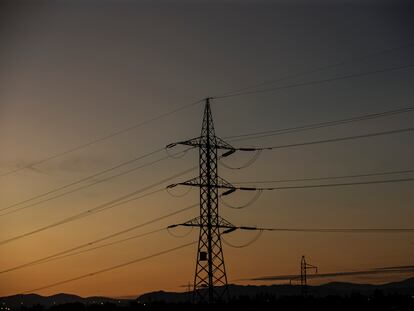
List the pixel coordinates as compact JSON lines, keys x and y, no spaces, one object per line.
{"x":333,"y":288}
{"x":405,"y":287}
{"x":16,"y":301}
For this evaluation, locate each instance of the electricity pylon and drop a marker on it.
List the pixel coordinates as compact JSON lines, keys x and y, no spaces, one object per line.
{"x":210,"y":280}
{"x":304,"y":267}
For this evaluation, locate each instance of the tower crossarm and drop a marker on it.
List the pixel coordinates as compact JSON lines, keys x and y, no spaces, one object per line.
{"x":200,"y":142}
{"x":311,"y":267}
{"x":196,"y":222}
{"x":196,"y":182}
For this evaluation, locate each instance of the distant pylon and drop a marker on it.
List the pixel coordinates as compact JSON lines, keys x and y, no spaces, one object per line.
{"x":210,"y":280}
{"x":304,"y":266}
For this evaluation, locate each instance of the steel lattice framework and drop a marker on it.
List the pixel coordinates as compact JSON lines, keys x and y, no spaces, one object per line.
{"x":304,"y":267}
{"x":210,"y":280}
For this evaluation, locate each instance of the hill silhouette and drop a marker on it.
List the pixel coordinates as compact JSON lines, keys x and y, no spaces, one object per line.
{"x":341,"y":289}
{"x":405,"y":287}
{"x":17,"y":301}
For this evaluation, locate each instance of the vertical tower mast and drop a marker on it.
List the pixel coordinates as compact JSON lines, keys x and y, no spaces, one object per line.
{"x":304,"y":267}
{"x":303,"y":280}
{"x":210,"y":268}
{"x":210,"y":280}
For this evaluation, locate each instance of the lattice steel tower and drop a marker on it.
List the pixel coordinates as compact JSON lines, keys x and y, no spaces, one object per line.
{"x":210,"y":280}
{"x":304,"y":267}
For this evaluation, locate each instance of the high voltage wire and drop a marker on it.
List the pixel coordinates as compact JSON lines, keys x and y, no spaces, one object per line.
{"x":328,"y":185}
{"x":106,"y":245}
{"x":100,"y":208}
{"x":170,"y":250}
{"x":237,"y":138}
{"x":122,"y":131}
{"x":356,"y":230}
{"x":328,"y":230}
{"x":156,"y":151}
{"x":116,"y":203}
{"x":88,"y":185}
{"x":321,"y":81}
{"x":69,"y":252}
{"x":318,"y":125}
{"x":192,"y":243}
{"x":230,"y":228}
{"x":331,"y":140}
{"x":255,"y":238}
{"x":322,"y":68}
{"x":342,"y":230}
{"x":313,"y":230}
{"x":82,"y":180}
{"x":81,"y":188}
{"x":326,"y":177}
{"x":229,"y":94}
{"x":402,"y":269}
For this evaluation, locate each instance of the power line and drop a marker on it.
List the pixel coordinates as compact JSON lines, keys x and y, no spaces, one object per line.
{"x":322,"y":68}
{"x":108,"y":205}
{"x":95,"y":210}
{"x":230,"y":228}
{"x":229,"y":94}
{"x":318,"y":125}
{"x":335,"y":230}
{"x":326,"y":177}
{"x":328,"y":185}
{"x":83,"y":179}
{"x":170,"y":250}
{"x":255,"y":238}
{"x":331,"y":140}
{"x":210,"y":269}
{"x":69,"y":252}
{"x":100,"y":208}
{"x":106,"y":245}
{"x":334,"y":274}
{"x":92,"y":142}
{"x":83,"y":187}
{"x":368,"y":135}
{"x":315,"y":82}
{"x":126,"y":172}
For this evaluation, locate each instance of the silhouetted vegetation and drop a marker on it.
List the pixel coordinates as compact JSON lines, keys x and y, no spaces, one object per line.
{"x":353,"y":302}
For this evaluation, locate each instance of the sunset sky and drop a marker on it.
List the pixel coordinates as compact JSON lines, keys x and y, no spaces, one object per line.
{"x":72,"y":72}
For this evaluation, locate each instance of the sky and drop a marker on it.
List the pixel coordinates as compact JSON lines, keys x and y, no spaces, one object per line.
{"x":75,"y":71}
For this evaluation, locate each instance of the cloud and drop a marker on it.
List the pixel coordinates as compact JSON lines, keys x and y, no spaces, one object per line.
{"x":375,"y":271}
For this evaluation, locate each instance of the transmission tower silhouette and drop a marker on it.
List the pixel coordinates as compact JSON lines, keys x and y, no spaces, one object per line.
{"x":304,"y":267}
{"x":210,"y":280}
